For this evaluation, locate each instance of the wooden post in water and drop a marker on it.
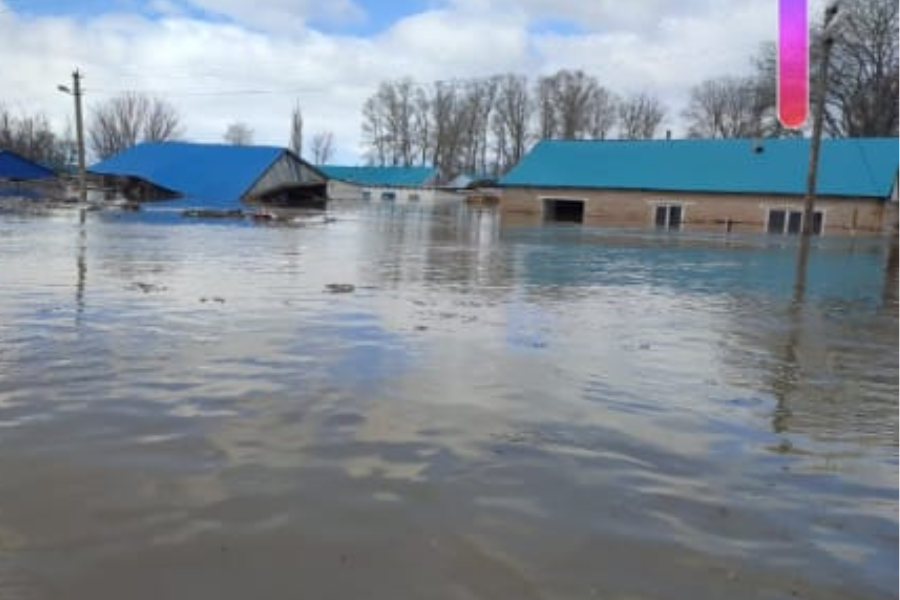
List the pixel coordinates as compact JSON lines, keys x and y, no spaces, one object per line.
{"x":818,"y":118}
{"x":75,"y":92}
{"x":79,"y":134}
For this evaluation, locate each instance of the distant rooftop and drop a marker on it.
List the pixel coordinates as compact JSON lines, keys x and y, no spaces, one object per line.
{"x":16,"y":167}
{"x":859,"y":167}
{"x":382,"y":176}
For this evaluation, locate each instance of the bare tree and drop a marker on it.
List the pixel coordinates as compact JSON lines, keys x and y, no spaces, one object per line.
{"x":765,"y":78}
{"x":546,"y":110}
{"x":602,"y":113}
{"x":512,"y":115}
{"x":573,"y":105}
{"x":322,"y":147}
{"x":422,"y":125}
{"x":476,"y":106}
{"x":374,"y":132}
{"x":448,"y":118}
{"x":727,"y":107}
{"x":297,"y":131}
{"x":162,"y":122}
{"x":391,"y":124}
{"x":31,"y":137}
{"x":862,"y":88}
{"x":132,"y":117}
{"x":862,"y":91}
{"x":238,"y":134}
{"x":639,"y":117}
{"x":574,"y":93}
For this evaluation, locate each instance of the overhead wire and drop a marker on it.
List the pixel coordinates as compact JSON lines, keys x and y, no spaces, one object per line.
{"x":199,"y":93}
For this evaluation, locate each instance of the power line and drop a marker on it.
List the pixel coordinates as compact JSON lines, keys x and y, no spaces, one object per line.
{"x":239,"y":92}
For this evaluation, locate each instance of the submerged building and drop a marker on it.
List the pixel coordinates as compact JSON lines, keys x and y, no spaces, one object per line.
{"x":15,"y":167}
{"x":24,"y":178}
{"x":409,"y":184}
{"x":733,"y":185}
{"x":213,"y":175}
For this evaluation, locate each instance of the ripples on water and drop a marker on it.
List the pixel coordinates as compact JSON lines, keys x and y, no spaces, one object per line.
{"x":492,"y":411}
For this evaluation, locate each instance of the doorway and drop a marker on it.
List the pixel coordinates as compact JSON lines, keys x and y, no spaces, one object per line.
{"x":567,"y":211}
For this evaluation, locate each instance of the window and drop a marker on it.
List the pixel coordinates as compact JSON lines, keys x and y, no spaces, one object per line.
{"x":560,"y":209}
{"x":390,"y":196}
{"x":783,"y":221}
{"x":366,"y":195}
{"x":668,"y":216}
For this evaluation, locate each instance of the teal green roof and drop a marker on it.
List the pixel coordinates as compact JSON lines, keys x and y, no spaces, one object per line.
{"x":858,"y":167}
{"x":382,"y":176}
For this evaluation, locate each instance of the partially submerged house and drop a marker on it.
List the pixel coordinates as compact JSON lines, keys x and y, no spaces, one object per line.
{"x":213,"y":176}
{"x":403,"y":184}
{"x":733,"y":185}
{"x":20,"y":177}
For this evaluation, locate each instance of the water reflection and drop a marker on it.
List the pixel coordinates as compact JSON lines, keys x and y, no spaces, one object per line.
{"x":492,"y":410}
{"x":889,"y":296}
{"x":788,"y":376}
{"x":81,"y":266}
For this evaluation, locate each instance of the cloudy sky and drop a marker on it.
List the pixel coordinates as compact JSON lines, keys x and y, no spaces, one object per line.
{"x":221,"y":61}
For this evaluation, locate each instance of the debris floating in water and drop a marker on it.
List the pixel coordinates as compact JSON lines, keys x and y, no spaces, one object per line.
{"x":148,"y":287}
{"x":340,"y":288}
{"x":212,"y":213}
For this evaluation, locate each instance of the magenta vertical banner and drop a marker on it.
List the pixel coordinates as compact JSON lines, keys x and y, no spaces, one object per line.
{"x":793,"y":63}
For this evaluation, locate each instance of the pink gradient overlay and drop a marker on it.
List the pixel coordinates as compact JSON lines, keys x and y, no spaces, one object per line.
{"x":793,"y":63}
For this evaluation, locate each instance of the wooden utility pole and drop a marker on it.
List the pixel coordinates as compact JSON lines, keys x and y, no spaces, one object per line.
{"x":75,"y":92}
{"x":79,"y":133}
{"x":819,"y":116}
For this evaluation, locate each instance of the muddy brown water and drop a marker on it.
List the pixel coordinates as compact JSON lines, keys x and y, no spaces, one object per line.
{"x":426,"y":402}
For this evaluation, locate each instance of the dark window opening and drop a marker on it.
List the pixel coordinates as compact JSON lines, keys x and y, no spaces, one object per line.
{"x":675,"y":217}
{"x":661,"y":214}
{"x":795,"y":220}
{"x":668,"y":216}
{"x":777,"y":220}
{"x":570,"y":211}
{"x":818,"y":219}
{"x":791,"y":222}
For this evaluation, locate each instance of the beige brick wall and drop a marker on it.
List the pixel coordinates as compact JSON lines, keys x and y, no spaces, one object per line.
{"x":701,"y":212}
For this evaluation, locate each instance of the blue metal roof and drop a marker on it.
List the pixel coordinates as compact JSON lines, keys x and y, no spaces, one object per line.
{"x":382,"y":176}
{"x":861,"y":167}
{"x":218,"y":174}
{"x":16,"y":167}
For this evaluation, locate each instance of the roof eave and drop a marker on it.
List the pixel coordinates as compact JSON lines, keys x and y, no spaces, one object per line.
{"x":542,"y":186}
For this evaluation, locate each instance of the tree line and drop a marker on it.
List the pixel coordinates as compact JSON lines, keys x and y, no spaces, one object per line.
{"x":485,"y":125}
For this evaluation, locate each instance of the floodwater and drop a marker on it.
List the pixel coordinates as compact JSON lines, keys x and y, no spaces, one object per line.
{"x":190,"y":409}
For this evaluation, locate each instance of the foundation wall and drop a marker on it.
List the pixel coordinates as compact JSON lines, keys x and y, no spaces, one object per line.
{"x":703,"y":212}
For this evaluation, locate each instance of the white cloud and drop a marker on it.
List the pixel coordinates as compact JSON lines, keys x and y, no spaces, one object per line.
{"x":442,"y":44}
{"x":676,"y":53}
{"x":284,"y":15}
{"x":178,"y":56}
{"x":597,"y":15}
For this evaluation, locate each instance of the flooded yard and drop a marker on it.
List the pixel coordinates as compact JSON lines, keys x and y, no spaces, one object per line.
{"x":424,"y":402}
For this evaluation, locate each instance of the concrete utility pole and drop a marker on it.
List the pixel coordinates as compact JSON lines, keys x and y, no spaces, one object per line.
{"x":822,"y":87}
{"x":79,"y":133}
